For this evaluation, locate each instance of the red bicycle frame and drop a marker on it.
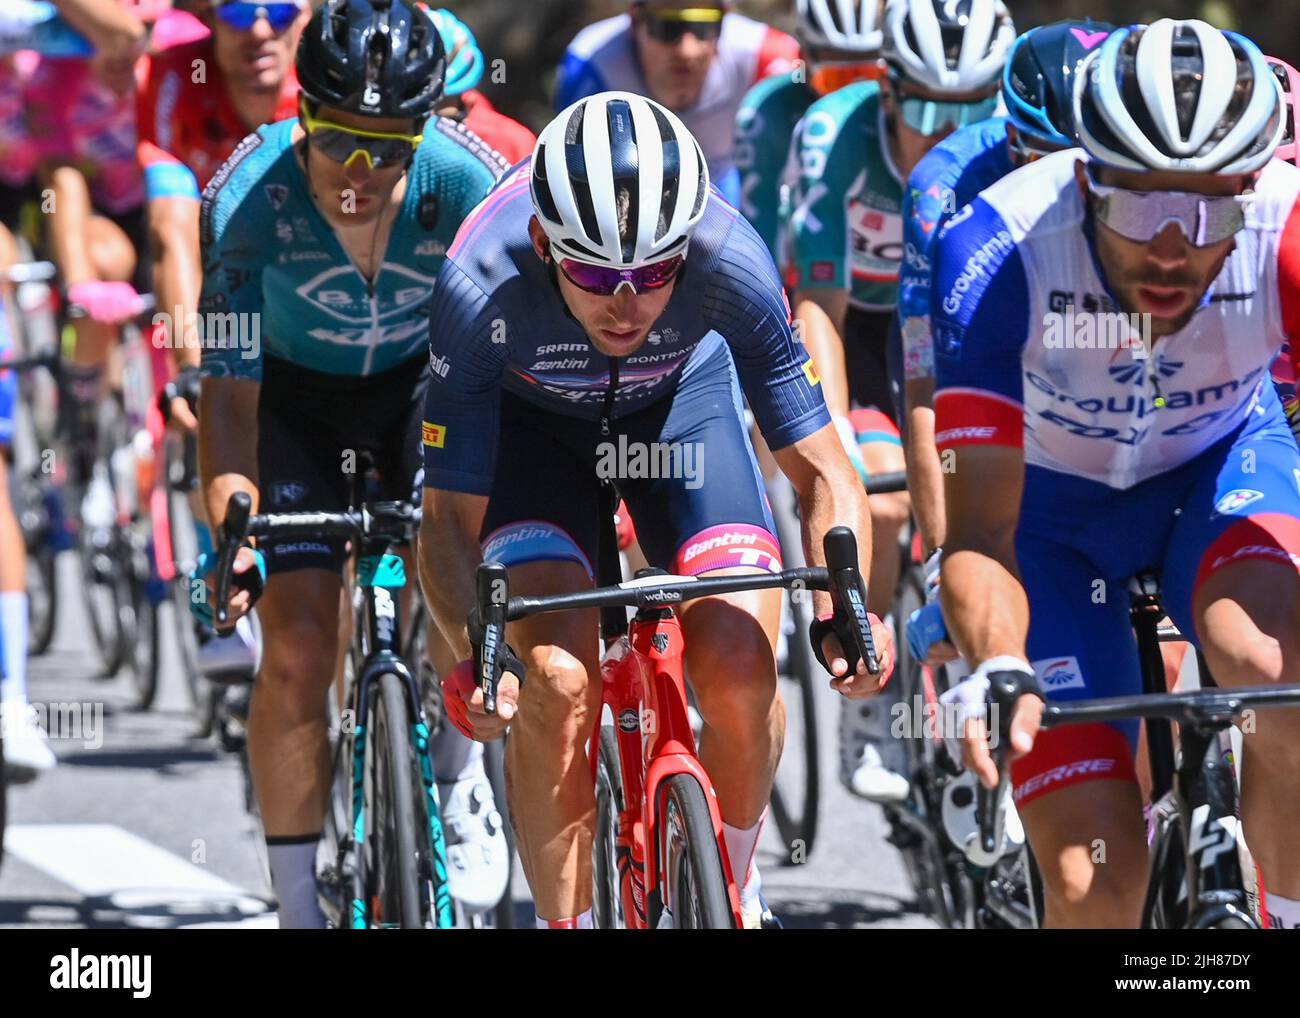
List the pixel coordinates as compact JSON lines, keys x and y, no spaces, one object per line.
{"x":642,"y":683}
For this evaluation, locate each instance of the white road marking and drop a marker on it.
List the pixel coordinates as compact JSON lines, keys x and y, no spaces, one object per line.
{"x":137,"y":876}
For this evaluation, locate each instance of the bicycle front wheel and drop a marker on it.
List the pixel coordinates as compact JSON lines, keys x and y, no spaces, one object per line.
{"x":392,"y":885}
{"x":695,"y":885}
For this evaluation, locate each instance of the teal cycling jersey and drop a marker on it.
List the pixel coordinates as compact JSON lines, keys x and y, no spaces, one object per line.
{"x":277,"y":281}
{"x":846,"y":224}
{"x":765,"y":127}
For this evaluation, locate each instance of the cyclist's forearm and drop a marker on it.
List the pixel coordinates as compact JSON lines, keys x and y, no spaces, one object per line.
{"x":177,"y":273}
{"x":111,"y":28}
{"x":449,"y":554}
{"x":820,"y":316}
{"x":924,"y":469}
{"x":68,"y":222}
{"x":227,"y":442}
{"x":984,"y":604}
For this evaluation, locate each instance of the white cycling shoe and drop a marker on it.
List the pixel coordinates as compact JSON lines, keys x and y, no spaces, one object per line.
{"x":229,"y":658}
{"x":26,"y":746}
{"x":478,"y":860}
{"x":864,"y":724}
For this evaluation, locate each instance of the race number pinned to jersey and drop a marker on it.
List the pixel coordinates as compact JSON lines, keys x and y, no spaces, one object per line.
{"x":875,"y":241}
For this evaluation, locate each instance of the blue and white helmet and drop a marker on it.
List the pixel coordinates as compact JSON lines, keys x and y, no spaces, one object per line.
{"x":1181,"y":96}
{"x":852,"y":26}
{"x":616,"y":144}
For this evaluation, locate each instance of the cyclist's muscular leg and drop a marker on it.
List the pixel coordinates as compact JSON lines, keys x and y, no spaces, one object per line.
{"x":1248,"y":620}
{"x":882,"y":453}
{"x":1090,"y":843}
{"x":548,"y":777}
{"x":288,"y":743}
{"x":731,"y":664}
{"x":112,"y":259}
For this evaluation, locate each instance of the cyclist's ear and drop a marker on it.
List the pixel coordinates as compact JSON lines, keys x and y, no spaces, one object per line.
{"x":1081,"y":180}
{"x":541,"y":245}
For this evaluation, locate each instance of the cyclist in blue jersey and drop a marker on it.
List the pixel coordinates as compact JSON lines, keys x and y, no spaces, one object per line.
{"x":1037,"y":90}
{"x":604,"y":304}
{"x":1104,"y":320}
{"x":837,"y":46}
{"x":697,"y":57}
{"x":322,"y":240}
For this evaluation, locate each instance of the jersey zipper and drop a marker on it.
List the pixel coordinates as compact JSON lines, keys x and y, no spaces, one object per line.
{"x":607,"y":414}
{"x":374,"y":327}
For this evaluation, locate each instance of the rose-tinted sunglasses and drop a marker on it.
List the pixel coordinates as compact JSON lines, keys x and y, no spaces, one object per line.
{"x":605,"y":281}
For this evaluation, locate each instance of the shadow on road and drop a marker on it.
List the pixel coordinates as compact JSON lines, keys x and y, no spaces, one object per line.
{"x":149,"y":908}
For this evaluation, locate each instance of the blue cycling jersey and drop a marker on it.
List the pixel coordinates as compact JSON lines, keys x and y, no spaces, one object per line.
{"x":950,"y":176}
{"x":277,"y":281}
{"x":498,"y":322}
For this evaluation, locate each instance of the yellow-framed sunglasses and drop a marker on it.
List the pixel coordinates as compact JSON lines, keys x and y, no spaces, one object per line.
{"x":380,"y":149}
{"x":705,"y":23}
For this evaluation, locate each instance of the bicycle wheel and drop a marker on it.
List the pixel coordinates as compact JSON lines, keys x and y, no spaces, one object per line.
{"x":3,"y":798}
{"x":140,"y":627}
{"x":185,"y":552}
{"x":695,"y":887}
{"x":393,"y":830}
{"x":494,"y":763}
{"x":1166,"y":903}
{"x":37,"y":518}
{"x":796,"y":790}
{"x":607,"y":897}
{"x":101,"y":592}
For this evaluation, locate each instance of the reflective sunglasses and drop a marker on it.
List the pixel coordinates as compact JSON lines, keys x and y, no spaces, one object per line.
{"x":930,"y":116}
{"x":831,"y":76}
{"x":705,"y":23}
{"x":243,"y":16}
{"x":379,"y":149}
{"x":1140,"y":216}
{"x":605,"y":281}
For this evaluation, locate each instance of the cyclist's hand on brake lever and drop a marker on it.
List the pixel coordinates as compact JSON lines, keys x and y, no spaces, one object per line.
{"x":971,"y":716}
{"x":463,"y":698}
{"x":249,"y":578}
{"x":861,"y":683}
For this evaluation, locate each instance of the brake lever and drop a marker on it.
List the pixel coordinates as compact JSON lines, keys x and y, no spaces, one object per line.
{"x":849,"y":596}
{"x":492,"y":591}
{"x":1005,"y":689}
{"x":234,"y":530}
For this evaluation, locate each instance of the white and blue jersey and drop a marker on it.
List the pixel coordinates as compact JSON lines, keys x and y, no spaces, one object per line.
{"x":950,"y":176}
{"x":1176,"y":459}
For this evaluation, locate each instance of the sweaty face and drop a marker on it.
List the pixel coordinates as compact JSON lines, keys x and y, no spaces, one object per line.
{"x":617,"y":325}
{"x":259,"y":58}
{"x":353,"y":194}
{"x":675,"y":71}
{"x":1166,"y":277}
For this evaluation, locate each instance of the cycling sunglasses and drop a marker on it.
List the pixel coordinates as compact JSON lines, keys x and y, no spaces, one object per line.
{"x":243,"y":16}
{"x":705,"y":23}
{"x":930,"y":116}
{"x":1140,"y":216}
{"x":379,"y":149}
{"x":605,"y":281}
{"x":832,"y":75}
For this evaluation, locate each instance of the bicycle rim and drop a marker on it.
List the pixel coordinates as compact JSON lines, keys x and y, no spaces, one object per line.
{"x":99,"y":567}
{"x":494,"y":763}
{"x":42,"y":598}
{"x":392,"y":858}
{"x":696,"y":888}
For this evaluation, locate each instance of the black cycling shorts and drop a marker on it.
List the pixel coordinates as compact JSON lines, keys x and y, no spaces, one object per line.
{"x":870,"y":363}
{"x":316,"y":432}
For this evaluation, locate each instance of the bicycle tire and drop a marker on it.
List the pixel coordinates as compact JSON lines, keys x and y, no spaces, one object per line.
{"x":392,"y":834}
{"x":42,"y":598}
{"x":184,"y":553}
{"x":99,"y":566}
{"x":796,"y":798}
{"x":494,"y":764}
{"x":1166,"y":906}
{"x":606,"y":883}
{"x":691,"y":861}
{"x":144,"y":653}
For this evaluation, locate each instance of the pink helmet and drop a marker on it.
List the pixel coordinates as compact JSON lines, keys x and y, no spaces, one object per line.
{"x":147,"y":11}
{"x":1289,"y":80}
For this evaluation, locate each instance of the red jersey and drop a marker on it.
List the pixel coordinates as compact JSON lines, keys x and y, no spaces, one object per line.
{"x":189,"y":127}
{"x":509,"y":137}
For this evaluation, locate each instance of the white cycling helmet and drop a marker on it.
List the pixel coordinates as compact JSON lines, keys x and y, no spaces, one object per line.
{"x":616,"y":143}
{"x":948,"y":45}
{"x":1178,"y":95}
{"x":849,"y":25}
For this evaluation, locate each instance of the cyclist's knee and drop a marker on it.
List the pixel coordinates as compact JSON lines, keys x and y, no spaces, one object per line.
{"x":298,"y":659}
{"x":1087,"y":894}
{"x":889,"y":514}
{"x":559,"y":683}
{"x":110,"y":250}
{"x":734,"y":674}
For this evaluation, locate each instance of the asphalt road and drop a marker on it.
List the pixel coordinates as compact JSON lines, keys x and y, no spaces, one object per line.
{"x":143,"y":825}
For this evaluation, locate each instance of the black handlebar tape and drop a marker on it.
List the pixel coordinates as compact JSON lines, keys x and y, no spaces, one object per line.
{"x":233,"y":531}
{"x":849,"y":595}
{"x":492,"y":591}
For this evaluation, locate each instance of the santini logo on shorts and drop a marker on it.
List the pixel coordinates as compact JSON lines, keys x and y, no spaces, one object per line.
{"x":1059,"y":673}
{"x":726,"y":546}
{"x":435,"y":435}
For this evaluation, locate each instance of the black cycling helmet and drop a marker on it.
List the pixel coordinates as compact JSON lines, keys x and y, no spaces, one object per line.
{"x":379,"y":58}
{"x":1038,"y":82}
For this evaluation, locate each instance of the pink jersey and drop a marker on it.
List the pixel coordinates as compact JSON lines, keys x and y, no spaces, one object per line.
{"x":18,"y":152}
{"x":76,"y":118}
